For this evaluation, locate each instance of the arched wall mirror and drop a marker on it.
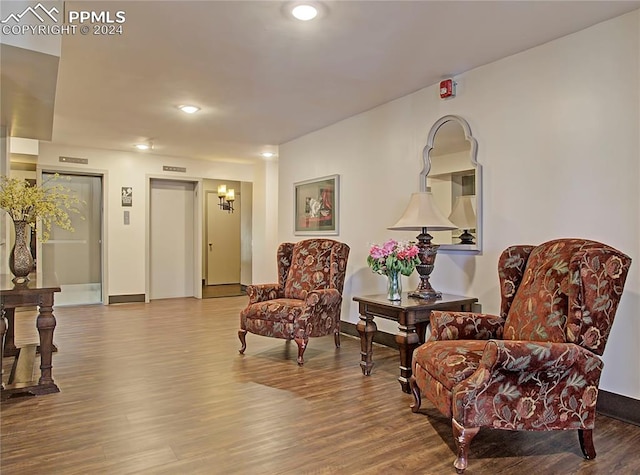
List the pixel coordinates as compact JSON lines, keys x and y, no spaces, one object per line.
{"x":454,"y":176}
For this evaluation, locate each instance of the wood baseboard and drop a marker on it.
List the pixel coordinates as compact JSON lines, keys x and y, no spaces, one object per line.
{"x":619,"y":407}
{"x":126,"y":298}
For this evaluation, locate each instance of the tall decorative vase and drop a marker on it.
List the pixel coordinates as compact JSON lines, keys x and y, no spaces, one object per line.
{"x":20,"y":259}
{"x":394,"y":285}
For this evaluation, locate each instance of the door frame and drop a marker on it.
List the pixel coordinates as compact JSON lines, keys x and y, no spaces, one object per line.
{"x":197,"y":236}
{"x":104,"y":175}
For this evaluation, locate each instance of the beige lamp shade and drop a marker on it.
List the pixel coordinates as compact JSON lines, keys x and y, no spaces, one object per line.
{"x":464,"y":212}
{"x":422,"y":213}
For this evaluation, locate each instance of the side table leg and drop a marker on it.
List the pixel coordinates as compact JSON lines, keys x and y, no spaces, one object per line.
{"x":3,"y":330}
{"x":9,"y":341}
{"x":407,"y":340}
{"x":366,"y":328}
{"x":46,"y":323}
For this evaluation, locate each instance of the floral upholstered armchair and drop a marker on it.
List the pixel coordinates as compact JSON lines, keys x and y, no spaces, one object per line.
{"x":536,"y":366}
{"x":307,"y":299}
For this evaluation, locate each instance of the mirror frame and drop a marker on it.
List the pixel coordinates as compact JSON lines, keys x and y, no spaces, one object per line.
{"x":473,"y":156}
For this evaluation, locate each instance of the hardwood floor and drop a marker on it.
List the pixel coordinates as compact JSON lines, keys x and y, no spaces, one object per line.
{"x":161,"y":389}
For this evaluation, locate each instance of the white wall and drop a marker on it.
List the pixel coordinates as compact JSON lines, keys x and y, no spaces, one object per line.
{"x":126,"y":244}
{"x":558,"y":137}
{"x":265,"y":216}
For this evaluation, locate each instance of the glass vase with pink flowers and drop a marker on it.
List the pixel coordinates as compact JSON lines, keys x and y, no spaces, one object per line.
{"x":393,"y":259}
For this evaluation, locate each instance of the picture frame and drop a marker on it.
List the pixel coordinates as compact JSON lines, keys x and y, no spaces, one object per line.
{"x":316,"y":206}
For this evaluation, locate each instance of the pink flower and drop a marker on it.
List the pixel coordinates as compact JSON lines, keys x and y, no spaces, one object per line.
{"x":413,"y":251}
{"x":390,"y":246}
{"x":377,"y":252}
{"x":396,"y":256}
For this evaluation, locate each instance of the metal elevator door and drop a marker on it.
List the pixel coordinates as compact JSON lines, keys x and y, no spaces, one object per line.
{"x":74,"y":258}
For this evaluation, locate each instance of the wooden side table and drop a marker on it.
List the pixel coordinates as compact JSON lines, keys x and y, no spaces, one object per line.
{"x":27,"y":295}
{"x":412,"y":315}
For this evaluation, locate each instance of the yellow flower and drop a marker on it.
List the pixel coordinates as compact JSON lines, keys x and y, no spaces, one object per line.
{"x":42,"y":205}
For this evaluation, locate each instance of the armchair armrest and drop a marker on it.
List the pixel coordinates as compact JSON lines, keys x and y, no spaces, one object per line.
{"x":536,"y":356}
{"x":465,"y":326}
{"x":320,"y":315}
{"x":323,"y":297}
{"x":528,"y":385}
{"x":262,"y":292}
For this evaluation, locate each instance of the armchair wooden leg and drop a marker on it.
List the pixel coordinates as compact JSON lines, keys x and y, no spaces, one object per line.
{"x":242,"y":334}
{"x":585,"y":436}
{"x":336,"y":338}
{"x":302,"y":345}
{"x":417,"y":397}
{"x":463,"y":438}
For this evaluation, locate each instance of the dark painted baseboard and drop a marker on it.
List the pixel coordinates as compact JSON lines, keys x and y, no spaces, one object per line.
{"x":619,"y":407}
{"x":126,"y":298}
{"x":609,"y":404}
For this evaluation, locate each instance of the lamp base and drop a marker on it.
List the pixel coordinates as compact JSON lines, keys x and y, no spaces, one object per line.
{"x":427,"y":254}
{"x":466,"y":237}
{"x":426,"y":295}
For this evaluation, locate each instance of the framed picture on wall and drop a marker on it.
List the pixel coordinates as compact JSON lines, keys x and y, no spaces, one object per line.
{"x":316,"y":206}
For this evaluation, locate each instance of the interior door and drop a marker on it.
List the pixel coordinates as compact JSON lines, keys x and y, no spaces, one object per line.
{"x":223,"y":243}
{"x":74,"y":258}
{"x":172,"y":231}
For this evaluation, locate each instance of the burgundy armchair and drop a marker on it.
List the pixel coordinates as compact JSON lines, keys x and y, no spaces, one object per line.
{"x":307,"y":299}
{"x":537,"y":366}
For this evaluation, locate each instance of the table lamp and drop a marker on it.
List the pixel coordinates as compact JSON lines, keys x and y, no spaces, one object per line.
{"x":464,"y":216}
{"x":423,"y":215}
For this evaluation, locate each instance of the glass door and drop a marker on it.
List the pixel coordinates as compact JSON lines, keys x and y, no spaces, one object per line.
{"x":74,"y":259}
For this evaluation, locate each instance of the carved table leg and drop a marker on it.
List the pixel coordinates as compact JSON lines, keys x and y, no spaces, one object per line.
{"x":367,"y":329}
{"x":3,"y":330}
{"x":46,"y":323}
{"x":407,"y":340}
{"x":9,"y":346}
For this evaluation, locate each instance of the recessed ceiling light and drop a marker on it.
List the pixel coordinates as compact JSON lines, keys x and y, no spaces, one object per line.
{"x":304,"y":12}
{"x":143,"y":146}
{"x":267,"y":154}
{"x":189,"y":109}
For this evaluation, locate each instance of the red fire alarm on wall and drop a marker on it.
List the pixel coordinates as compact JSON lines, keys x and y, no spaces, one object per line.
{"x":447,"y":88}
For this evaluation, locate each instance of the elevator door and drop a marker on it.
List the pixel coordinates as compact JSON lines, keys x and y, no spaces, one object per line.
{"x":74,"y":258}
{"x":172,"y":239}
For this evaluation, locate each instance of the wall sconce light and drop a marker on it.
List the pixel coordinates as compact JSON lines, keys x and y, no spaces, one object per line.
{"x":226,"y":197}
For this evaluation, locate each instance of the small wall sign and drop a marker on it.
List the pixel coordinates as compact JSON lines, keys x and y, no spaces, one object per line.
{"x":127,"y":196}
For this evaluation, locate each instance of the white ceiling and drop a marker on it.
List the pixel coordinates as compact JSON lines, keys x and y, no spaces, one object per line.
{"x":262,"y":78}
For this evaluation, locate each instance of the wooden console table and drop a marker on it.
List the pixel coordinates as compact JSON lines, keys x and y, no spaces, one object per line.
{"x":27,"y":295}
{"x":412,"y":315}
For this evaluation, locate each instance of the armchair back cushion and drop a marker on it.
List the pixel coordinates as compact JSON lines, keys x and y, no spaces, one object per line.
{"x":569,"y":292}
{"x":316,"y":264}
